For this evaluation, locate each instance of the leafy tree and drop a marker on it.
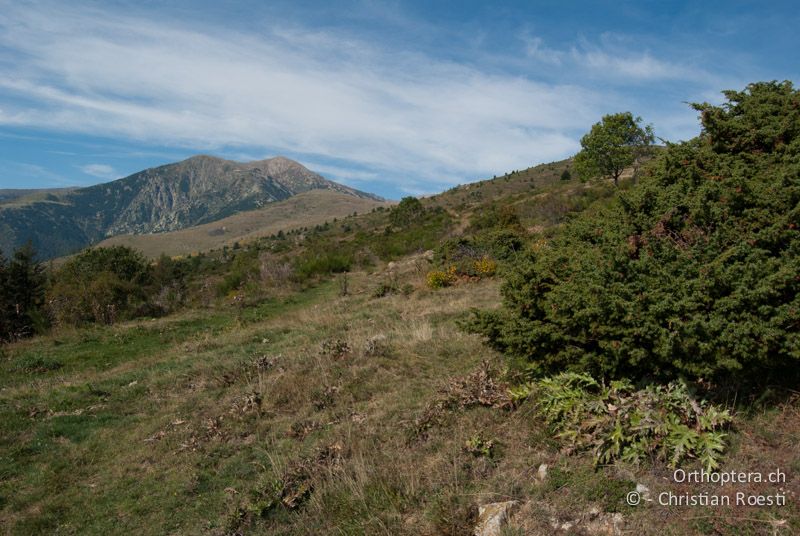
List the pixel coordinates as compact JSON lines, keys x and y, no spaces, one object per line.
{"x":613,"y":144}
{"x":566,"y":175}
{"x":100,"y":285}
{"x":408,"y":211}
{"x":691,"y":273}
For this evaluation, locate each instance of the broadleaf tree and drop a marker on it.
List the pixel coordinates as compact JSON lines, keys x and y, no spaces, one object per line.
{"x":618,"y":141}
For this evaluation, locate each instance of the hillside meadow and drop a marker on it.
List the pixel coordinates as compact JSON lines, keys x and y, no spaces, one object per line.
{"x":568,"y":347}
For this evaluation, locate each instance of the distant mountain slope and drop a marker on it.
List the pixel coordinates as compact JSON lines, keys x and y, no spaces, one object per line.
{"x":198,"y":190}
{"x":307,"y":209}
{"x":9,"y":196}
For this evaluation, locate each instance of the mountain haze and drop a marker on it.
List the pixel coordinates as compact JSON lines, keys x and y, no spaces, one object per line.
{"x":199,"y":190}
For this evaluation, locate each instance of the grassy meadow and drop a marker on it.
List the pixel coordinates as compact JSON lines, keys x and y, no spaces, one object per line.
{"x":361,"y":407}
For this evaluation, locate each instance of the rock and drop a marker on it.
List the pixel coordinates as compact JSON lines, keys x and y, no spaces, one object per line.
{"x":605,"y":525}
{"x":593,"y":522}
{"x":541,"y":473}
{"x":643,"y":491}
{"x":493,"y":517}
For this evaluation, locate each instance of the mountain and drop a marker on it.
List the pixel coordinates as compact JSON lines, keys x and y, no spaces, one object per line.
{"x":198,"y":190}
{"x":8,"y":196}
{"x":306,"y":209}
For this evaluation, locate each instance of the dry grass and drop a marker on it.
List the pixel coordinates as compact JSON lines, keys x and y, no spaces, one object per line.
{"x":213,"y":422}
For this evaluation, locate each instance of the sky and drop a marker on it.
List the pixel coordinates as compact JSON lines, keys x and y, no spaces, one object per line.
{"x":395,"y":98}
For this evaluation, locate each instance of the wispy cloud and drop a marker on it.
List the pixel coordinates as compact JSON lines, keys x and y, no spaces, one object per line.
{"x":102,"y":171}
{"x":384,"y":114}
{"x":31,"y":172}
{"x":537,"y":50}
{"x":289,"y":89}
{"x":611,"y":57}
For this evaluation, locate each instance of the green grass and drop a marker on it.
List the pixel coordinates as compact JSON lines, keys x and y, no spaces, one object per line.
{"x":71,"y":438}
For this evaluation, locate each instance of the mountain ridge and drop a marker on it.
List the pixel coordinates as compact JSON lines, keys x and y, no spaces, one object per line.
{"x":195,"y":191}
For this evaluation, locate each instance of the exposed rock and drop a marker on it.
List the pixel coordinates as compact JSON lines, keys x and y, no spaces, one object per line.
{"x":541,"y":473}
{"x":604,"y":524}
{"x":594,"y":522}
{"x":644,"y":492}
{"x":493,"y":517}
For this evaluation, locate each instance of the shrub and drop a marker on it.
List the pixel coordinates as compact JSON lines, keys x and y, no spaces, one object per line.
{"x":377,"y":346}
{"x":386,"y":287}
{"x":99,"y":285}
{"x":492,"y":217}
{"x":407,"y":212}
{"x":335,"y":348}
{"x":618,"y":422}
{"x":485,"y":267}
{"x":437,"y":279}
{"x":324,"y":263}
{"x":502,"y":244}
{"x":690,"y":273}
{"x":422,"y":234}
{"x":479,"y":446}
{"x":458,"y":253}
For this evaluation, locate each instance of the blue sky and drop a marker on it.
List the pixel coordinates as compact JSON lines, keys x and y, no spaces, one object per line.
{"x":395,"y":98}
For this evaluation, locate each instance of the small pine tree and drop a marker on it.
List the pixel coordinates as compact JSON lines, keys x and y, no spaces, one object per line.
{"x":23,"y":284}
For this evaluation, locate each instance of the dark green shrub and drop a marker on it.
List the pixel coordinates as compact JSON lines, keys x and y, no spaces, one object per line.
{"x":692,"y":272}
{"x":460,"y":253}
{"x":407,"y":212}
{"x":324,"y":263}
{"x":493,"y":217}
{"x":99,"y":285}
{"x":502,"y":244}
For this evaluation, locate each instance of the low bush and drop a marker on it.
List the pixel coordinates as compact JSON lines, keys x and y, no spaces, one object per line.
{"x":618,"y":422}
{"x":437,"y":279}
{"x":323,"y":263}
{"x":485,"y":267}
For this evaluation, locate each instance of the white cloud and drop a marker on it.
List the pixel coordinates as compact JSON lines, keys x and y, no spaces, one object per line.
{"x":535,"y":48}
{"x":631,"y":66}
{"x":102,"y":171}
{"x":290,"y":90}
{"x":614,"y":57}
{"x":393,"y":115}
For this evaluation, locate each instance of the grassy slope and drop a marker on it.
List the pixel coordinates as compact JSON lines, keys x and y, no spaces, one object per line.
{"x":151,"y":427}
{"x":303,"y":210}
{"x":12,"y":197}
{"x":147,"y":428}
